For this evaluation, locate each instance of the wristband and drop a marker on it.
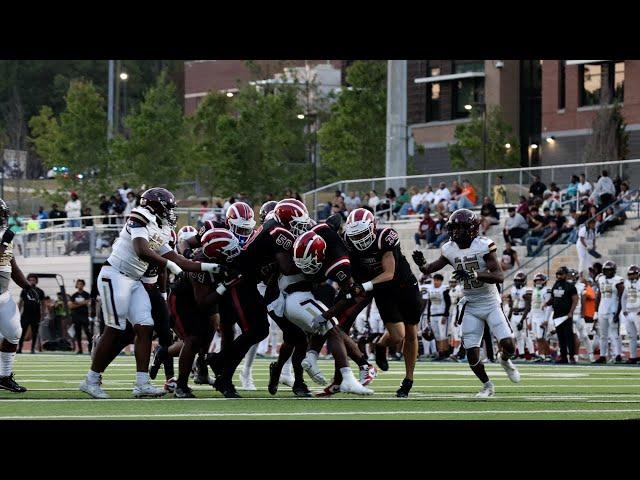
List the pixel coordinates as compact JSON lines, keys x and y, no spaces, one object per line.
{"x":210,"y":267}
{"x":164,"y":295}
{"x":221,"y":289}
{"x":173,"y":267}
{"x":368,"y":286}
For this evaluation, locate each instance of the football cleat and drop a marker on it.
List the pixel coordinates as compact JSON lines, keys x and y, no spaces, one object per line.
{"x":93,"y":389}
{"x":381,"y":358}
{"x":311,"y":367}
{"x":227,"y":389}
{"x":618,"y":359}
{"x":9,"y":383}
{"x":350,"y":385}
{"x":247,"y":382}
{"x":367,"y":374}
{"x":146,"y":390}
{"x":301,"y":390}
{"x":631,"y":361}
{"x":185,"y":392}
{"x":405,"y":388}
{"x":157,"y":358}
{"x":171,"y":384}
{"x":511,"y":370}
{"x":487,"y":391}
{"x":200,"y":379}
{"x":329,"y":390}
{"x":273,"y":378}
{"x":600,"y":360}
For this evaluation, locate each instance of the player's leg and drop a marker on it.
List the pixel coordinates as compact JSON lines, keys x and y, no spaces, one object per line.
{"x":472,"y":333}
{"x":246,"y":379}
{"x":616,"y":339}
{"x":10,"y":331}
{"x":501,"y":329}
{"x":161,"y":324}
{"x":24,"y":324}
{"x":632,"y":333}
{"x":603,"y":329}
{"x":292,"y":352}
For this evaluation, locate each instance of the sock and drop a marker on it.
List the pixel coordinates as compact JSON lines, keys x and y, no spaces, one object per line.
{"x":313,"y":355}
{"x":362,"y":361}
{"x":142,"y":378}
{"x":286,"y":368}
{"x":6,"y":363}
{"x":93,"y":377}
{"x":346,"y":373}
{"x":248,"y":360}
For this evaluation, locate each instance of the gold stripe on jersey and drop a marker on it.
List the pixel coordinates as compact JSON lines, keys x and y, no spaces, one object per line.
{"x":492,"y":247}
{"x":138,"y":218}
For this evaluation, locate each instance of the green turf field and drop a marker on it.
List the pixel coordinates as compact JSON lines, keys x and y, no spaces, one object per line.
{"x":441,"y":391}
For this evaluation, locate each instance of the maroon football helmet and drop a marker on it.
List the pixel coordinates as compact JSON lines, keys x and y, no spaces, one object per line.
{"x":293,"y":216}
{"x":309,"y":252}
{"x":161,"y":203}
{"x":520,"y":279}
{"x":609,"y":268}
{"x":220,"y":244}
{"x":463,"y":226}
{"x":633,"y":272}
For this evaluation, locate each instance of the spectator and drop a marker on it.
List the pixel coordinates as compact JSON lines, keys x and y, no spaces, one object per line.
{"x":515,"y":226}
{"x":537,"y":188}
{"x":584,"y":187}
{"x":73,"y":208}
{"x":232,"y":200}
{"x":441,"y":230}
{"x":389,"y":201}
{"x":609,"y":220}
{"x":32,"y":312}
{"x":626,"y":198}
{"x":416,"y":204}
{"x":442,"y":196}
{"x":105,"y":207}
{"x":117,"y":208}
{"x":352,"y":201}
{"x":617,"y":183}
{"x":534,"y":219}
{"x":523,"y":206}
{"x":32,"y":226}
{"x":489,"y":215}
{"x":15,"y":225}
{"x":550,"y":202}
{"x":428,"y":197}
{"x":55,"y":213}
{"x":605,"y":191}
{"x":129,"y":204}
{"x":79,"y":307}
{"x":469,"y":192}
{"x":465,"y":199}
{"x":87,"y":222}
{"x":499,"y":192}
{"x":561,"y":220}
{"x":374,"y":200}
{"x":426,"y":229}
{"x":509,"y":257}
{"x":401,"y":200}
{"x":124,"y":191}
{"x":42,"y":215}
{"x":549,"y":235}
{"x":571,"y":227}
{"x":338,"y":203}
{"x":297,"y":196}
{"x":572,"y":189}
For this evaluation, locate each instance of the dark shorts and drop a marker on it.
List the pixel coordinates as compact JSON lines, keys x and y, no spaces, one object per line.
{"x":399,"y":304}
{"x":188,"y":320}
{"x":244,"y":305}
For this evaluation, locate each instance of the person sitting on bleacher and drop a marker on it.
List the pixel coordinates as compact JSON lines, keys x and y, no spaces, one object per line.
{"x":426,"y":229}
{"x":515,"y":226}
{"x":489,"y":214}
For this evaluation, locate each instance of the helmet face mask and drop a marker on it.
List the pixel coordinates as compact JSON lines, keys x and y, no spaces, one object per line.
{"x":633,"y":272}
{"x":609,"y":269}
{"x":220,"y":244}
{"x":540,"y":280}
{"x":520,"y":279}
{"x":309,"y":253}
{"x":360,"y":228}
{"x":300,"y":225}
{"x":463,"y":226}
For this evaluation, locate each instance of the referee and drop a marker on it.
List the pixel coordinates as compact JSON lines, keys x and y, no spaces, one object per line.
{"x":564,"y":298}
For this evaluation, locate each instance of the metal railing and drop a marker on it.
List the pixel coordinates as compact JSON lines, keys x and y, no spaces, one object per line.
{"x":515,"y":180}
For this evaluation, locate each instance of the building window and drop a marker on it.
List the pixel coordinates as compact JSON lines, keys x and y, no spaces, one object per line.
{"x":433,"y":102}
{"x":467,"y":91}
{"x":561,"y":84}
{"x":463,"y":66}
{"x":601,"y":82}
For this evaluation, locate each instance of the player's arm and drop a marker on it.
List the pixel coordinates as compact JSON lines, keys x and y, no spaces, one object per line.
{"x":18,"y":277}
{"x":429,"y":268}
{"x":620,"y":291}
{"x":494,"y":273}
{"x":170,"y":259}
{"x":388,"y":269}
{"x":623,"y":301}
{"x":285,"y":263}
{"x":206,"y":297}
{"x":162,"y":282}
{"x":447,"y":306}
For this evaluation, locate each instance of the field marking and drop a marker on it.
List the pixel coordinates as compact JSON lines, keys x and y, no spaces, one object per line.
{"x":320,"y":414}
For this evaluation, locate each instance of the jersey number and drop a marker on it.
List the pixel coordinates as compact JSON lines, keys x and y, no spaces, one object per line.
{"x":470,"y":264}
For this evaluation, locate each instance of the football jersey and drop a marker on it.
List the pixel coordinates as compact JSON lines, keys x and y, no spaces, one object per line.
{"x":517,"y":297}
{"x":5,"y":265}
{"x":539,"y":296}
{"x":472,"y":258}
{"x":140,"y":224}
{"x":580,"y":289}
{"x":631,"y":298}
{"x":367,"y":264}
{"x":151,"y":274}
{"x":608,"y":293}
{"x":336,"y":265}
{"x":437,"y":298}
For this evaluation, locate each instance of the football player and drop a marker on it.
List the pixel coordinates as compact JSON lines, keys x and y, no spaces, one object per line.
{"x":579,"y":326}
{"x":10,"y":327}
{"x":519,"y":302}
{"x":630,"y":309}
{"x":541,"y":316}
{"x":379,"y":267}
{"x":610,"y":290}
{"x":437,"y":310}
{"x":124,"y":300}
{"x":475,"y":264}
{"x":321,"y":255}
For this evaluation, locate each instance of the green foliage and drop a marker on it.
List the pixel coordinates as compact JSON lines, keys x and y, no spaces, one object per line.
{"x":467,"y":152}
{"x":353,"y":140}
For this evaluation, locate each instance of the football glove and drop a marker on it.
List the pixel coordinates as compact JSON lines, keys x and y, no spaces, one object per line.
{"x":7,"y":237}
{"x":461,"y":275}
{"x":418,"y":258}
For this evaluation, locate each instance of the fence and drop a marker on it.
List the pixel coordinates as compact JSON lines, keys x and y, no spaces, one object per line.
{"x":515,"y":180}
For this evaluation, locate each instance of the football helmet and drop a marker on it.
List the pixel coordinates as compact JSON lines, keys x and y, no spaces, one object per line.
{"x":266,"y":209}
{"x":293,"y":215}
{"x":428,"y":334}
{"x":463,"y":226}
{"x":4,"y":213}
{"x":240,"y":221}
{"x":572,"y":275}
{"x":220,"y":244}
{"x":520,"y":279}
{"x":609,"y":268}
{"x":633,"y":272}
{"x":540,"y":280}
{"x":161,"y":203}
{"x":360,"y":228}
{"x":309,"y":252}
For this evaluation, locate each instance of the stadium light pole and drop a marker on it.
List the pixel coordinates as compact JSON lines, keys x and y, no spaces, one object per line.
{"x":124,"y":76}
{"x":112,"y":69}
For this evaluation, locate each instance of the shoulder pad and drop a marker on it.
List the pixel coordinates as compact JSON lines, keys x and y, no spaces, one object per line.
{"x":283,"y":237}
{"x":485,"y":243}
{"x":388,"y":239}
{"x":145,"y":215}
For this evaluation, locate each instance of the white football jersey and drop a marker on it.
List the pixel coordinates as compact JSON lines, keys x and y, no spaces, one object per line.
{"x":436,"y":299}
{"x":539,"y":296}
{"x":608,"y":293}
{"x":141,"y":224}
{"x":517,"y":297}
{"x":580,"y":289}
{"x":631,"y":295}
{"x":472,"y":258}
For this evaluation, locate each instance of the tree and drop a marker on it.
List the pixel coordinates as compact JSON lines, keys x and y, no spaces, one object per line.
{"x":609,"y":141}
{"x":75,"y":139}
{"x":467,"y":152}
{"x":353,"y":140}
{"x":157,"y":149}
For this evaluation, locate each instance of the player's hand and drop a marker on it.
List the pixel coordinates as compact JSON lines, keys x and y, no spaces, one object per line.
{"x":7,"y":237}
{"x":212,"y":267}
{"x":173,"y":267}
{"x":461,"y":275}
{"x":356,"y":290}
{"x":418,"y":258}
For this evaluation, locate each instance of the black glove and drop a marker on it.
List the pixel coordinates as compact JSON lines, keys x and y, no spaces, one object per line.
{"x":461,"y":275}
{"x":7,"y":237}
{"x":418,"y":257}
